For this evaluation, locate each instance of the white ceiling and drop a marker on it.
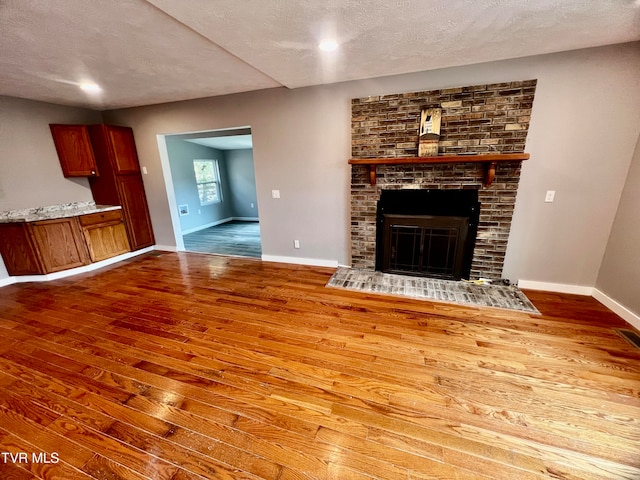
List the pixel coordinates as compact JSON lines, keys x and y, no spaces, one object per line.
{"x":237,"y":142}
{"x":152,"y":51}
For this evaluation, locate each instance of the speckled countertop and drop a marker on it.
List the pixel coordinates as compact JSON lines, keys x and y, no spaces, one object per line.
{"x":51,"y":212}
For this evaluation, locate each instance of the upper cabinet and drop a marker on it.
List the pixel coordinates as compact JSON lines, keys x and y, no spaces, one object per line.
{"x":120,"y":181}
{"x":73,"y":145}
{"x":85,"y":149}
{"x":118,"y":145}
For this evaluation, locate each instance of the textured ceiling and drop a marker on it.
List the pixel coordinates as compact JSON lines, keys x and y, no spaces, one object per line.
{"x":152,"y":51}
{"x":237,"y":142}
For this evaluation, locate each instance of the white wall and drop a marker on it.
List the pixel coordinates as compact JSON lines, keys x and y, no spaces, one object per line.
{"x":30,"y":172}
{"x":619,"y":276}
{"x":584,"y":127}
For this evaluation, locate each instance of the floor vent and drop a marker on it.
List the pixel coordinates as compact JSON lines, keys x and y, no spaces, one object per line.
{"x":630,"y":336}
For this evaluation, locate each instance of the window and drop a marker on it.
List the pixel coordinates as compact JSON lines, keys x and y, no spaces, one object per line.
{"x":208,"y":180}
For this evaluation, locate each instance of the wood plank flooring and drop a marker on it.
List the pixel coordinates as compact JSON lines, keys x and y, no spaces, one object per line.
{"x":183,"y":366}
{"x":231,"y":238}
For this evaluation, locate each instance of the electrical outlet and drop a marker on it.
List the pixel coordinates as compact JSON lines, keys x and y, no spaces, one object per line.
{"x":252,"y":205}
{"x":275,"y":193}
{"x":296,"y":244}
{"x":550,"y":196}
{"x":144,"y":170}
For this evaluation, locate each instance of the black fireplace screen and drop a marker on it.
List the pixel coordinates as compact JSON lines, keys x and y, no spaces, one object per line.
{"x":425,"y":245}
{"x":427,"y":232}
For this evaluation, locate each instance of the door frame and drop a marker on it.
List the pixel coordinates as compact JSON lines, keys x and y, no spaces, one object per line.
{"x":168,"y":179}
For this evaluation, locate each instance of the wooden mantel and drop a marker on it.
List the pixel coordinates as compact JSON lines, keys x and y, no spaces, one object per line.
{"x":490,"y":161}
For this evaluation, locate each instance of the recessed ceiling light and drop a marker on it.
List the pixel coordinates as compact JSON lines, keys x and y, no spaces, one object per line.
{"x":90,"y":87}
{"x":328,"y":45}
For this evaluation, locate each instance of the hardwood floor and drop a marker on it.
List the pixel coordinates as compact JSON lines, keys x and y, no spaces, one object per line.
{"x":185,"y":366}
{"x":232,"y":238}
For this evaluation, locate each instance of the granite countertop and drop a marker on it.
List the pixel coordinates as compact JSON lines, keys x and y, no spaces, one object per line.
{"x":52,"y":212}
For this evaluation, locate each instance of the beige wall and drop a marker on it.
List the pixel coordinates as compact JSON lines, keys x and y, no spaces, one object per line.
{"x":619,"y":276}
{"x":583,"y":131}
{"x":301,"y":141}
{"x":584,"y":127}
{"x":30,"y":173}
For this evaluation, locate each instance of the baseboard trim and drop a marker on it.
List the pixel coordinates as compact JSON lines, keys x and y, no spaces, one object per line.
{"x":617,"y":308}
{"x":7,"y":281}
{"x":219,"y":222}
{"x":555,"y":287}
{"x":166,"y":248}
{"x":206,"y":225}
{"x":73,"y":271}
{"x":314,"y":262}
{"x":613,"y":305}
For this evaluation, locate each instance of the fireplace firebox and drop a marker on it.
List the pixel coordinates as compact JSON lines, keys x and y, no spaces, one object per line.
{"x":427,"y":232}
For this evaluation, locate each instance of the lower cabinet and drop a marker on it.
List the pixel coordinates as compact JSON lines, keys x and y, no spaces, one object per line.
{"x":59,"y":243}
{"x":18,"y":250}
{"x":105,"y":235}
{"x":47,"y":246}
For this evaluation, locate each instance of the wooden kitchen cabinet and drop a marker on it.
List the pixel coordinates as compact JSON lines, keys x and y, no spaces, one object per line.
{"x":117,"y":146}
{"x":136,"y":212}
{"x":105,"y":234}
{"x":120,"y":181}
{"x":18,"y":251}
{"x":47,"y":246}
{"x":59,"y":244}
{"x":74,"y":149}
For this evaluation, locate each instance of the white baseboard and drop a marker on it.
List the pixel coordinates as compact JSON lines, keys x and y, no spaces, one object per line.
{"x":166,"y":248}
{"x":206,"y":225}
{"x":7,"y":281}
{"x":555,"y":287}
{"x":73,"y":271}
{"x":315,"y":262}
{"x":219,"y":222}
{"x":617,"y":308}
{"x":627,"y":315}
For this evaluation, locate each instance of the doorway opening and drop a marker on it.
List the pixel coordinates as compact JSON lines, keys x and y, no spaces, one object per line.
{"x":211,"y":186}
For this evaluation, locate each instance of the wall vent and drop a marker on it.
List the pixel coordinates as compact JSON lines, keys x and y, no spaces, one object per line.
{"x":630,"y":336}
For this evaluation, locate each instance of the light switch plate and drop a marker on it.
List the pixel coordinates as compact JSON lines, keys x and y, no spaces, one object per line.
{"x":550,"y":196}
{"x":275,"y":193}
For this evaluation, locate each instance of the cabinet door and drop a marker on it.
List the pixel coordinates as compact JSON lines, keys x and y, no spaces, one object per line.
{"x":135,"y":210}
{"x":106,"y":240}
{"x":123,"y":149}
{"x":60,"y":244}
{"x":105,"y":234}
{"x":74,"y":150}
{"x":17,"y":250}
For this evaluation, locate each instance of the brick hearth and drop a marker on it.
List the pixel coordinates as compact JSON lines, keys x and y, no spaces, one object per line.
{"x":481,"y":118}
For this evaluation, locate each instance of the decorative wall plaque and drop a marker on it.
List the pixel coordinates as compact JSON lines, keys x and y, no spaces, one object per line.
{"x":429,"y":133}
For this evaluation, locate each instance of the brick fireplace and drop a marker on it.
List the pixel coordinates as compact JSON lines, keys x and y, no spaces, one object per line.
{"x":481,"y":119}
